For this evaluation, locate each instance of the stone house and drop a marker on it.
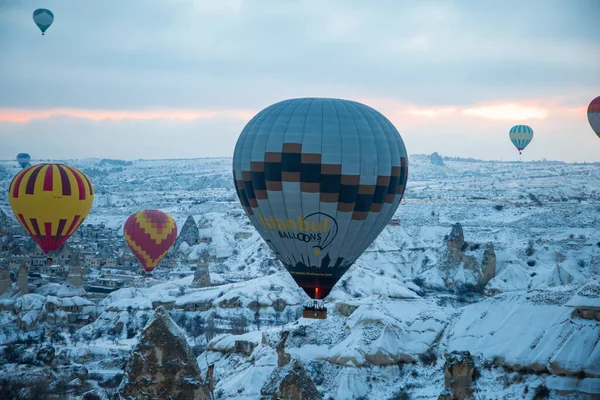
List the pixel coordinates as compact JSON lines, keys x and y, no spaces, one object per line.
{"x":586,"y":302}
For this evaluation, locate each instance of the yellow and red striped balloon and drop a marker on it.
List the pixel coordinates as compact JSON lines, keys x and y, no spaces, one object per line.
{"x":51,"y":201}
{"x":150,"y":234}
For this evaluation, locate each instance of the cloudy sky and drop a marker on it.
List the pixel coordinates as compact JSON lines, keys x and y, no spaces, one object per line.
{"x":180,"y":78}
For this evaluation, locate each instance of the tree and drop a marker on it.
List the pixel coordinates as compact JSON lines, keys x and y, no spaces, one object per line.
{"x":197,"y":325}
{"x":239,"y":325}
{"x":11,"y":354}
{"x":257,"y":320}
{"x":211,"y":329}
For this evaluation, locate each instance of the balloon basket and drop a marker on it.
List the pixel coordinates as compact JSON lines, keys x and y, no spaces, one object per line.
{"x":314,"y":310}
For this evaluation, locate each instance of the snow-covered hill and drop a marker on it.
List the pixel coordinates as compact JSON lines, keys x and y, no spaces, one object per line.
{"x":396,"y":312}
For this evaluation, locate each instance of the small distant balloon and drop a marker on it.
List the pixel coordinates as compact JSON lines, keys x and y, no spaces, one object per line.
{"x":594,"y":115}
{"x":520,"y":136}
{"x":24,"y":160}
{"x":43,"y":18}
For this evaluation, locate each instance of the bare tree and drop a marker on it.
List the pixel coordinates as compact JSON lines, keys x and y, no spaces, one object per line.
{"x":239,"y":325}
{"x":211,"y":330}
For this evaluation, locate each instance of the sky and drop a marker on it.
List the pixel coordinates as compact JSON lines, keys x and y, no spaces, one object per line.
{"x":181,"y":78}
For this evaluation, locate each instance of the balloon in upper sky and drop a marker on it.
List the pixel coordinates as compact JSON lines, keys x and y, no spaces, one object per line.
{"x":50,"y":201}
{"x":520,"y":136}
{"x":43,"y":18}
{"x":594,"y":115}
{"x":24,"y":160}
{"x":319,"y":179}
{"x":150,"y":234}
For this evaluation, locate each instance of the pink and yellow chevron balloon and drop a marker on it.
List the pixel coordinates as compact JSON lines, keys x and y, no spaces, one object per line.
{"x":150,"y":234}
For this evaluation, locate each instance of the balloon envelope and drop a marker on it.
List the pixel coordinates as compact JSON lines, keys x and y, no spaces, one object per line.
{"x":150,"y":234}
{"x":43,"y":18}
{"x":520,"y":136}
{"x":51,"y":201}
{"x":24,"y":160}
{"x":319,"y":179}
{"x":594,"y":115}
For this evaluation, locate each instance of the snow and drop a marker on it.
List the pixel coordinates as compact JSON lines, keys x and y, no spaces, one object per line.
{"x":172,"y":327}
{"x":76,"y":301}
{"x":136,"y":303}
{"x":68,"y":290}
{"x":29,"y":302}
{"x":226,"y":343}
{"x":526,"y":332}
{"x":511,"y":278}
{"x":587,"y":296}
{"x":404,"y":307}
{"x":368,"y":284}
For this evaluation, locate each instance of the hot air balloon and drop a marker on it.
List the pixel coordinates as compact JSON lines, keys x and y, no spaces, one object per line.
{"x":594,"y":115}
{"x":150,"y":234}
{"x":50,"y":201}
{"x":520,"y":135}
{"x":43,"y":18}
{"x":24,"y":160}
{"x":319,"y":178}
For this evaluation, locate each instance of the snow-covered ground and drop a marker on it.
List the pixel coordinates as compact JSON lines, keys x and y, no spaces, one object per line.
{"x":543,"y":219}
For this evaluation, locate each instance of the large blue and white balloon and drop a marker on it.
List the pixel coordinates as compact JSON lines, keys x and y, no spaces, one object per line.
{"x":319,"y":179}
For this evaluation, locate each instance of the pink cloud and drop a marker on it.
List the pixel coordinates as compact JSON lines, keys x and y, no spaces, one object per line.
{"x":23,"y":116}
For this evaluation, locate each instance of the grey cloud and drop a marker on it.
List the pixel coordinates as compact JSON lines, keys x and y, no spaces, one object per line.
{"x":248,"y":54}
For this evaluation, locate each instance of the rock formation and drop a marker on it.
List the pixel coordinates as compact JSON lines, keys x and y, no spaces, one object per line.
{"x":458,"y":374}
{"x":456,"y":243}
{"x":162,"y":363}
{"x":202,"y":275}
{"x":436,"y":159}
{"x":459,"y":269}
{"x":189,"y":233}
{"x":46,"y":355}
{"x":76,"y":270}
{"x":22,"y":281}
{"x":289,"y":381}
{"x":283,"y":358}
{"x":5,"y":282}
{"x":488,"y":264}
